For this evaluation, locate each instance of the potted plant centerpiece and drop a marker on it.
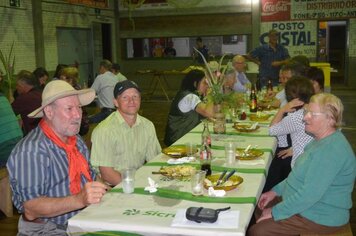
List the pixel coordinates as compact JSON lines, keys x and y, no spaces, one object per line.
{"x":215,"y":77}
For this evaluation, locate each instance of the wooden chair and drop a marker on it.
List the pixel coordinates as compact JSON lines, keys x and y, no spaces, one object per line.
{"x":5,"y":193}
{"x":346,"y":231}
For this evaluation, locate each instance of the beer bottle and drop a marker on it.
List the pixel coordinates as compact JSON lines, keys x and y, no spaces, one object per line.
{"x":253,"y":102}
{"x":205,"y":158}
{"x":205,"y":135}
{"x":269,"y":86}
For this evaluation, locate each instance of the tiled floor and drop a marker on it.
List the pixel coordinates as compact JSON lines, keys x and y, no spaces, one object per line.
{"x":157,"y":109}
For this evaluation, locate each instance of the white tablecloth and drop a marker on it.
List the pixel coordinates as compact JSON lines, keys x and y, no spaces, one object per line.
{"x":152,"y":214}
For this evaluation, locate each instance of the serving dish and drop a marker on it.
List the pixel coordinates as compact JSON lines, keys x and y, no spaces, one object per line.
{"x":176,"y":151}
{"x":245,"y":126}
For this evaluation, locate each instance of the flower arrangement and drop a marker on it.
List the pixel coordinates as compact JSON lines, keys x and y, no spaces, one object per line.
{"x":8,"y":63}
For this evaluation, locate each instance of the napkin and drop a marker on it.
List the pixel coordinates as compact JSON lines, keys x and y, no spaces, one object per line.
{"x":216,"y":193}
{"x":182,"y":160}
{"x":226,"y":220}
{"x":152,"y":186}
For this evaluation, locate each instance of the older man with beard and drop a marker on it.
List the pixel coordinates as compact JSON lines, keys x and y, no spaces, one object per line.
{"x":50,"y":175}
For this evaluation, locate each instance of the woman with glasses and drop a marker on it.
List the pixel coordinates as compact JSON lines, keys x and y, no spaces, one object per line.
{"x":316,"y":196}
{"x":289,"y":121}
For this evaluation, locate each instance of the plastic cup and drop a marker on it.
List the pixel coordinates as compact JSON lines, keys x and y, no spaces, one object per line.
{"x":197,"y":183}
{"x":128,"y":180}
{"x":191,"y":149}
{"x":230,"y":153}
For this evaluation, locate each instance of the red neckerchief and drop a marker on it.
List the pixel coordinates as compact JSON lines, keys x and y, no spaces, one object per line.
{"x":77,"y":164}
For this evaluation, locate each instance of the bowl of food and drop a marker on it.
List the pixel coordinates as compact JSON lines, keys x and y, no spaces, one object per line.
{"x":230,"y":184}
{"x":259,"y":116}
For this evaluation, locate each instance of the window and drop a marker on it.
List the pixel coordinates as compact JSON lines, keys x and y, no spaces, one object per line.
{"x":183,"y":46}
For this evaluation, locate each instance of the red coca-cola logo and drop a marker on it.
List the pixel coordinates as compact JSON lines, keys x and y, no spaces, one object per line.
{"x":275,"y":10}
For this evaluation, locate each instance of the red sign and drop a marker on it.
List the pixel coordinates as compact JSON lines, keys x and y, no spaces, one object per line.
{"x":91,"y":3}
{"x":275,"y":10}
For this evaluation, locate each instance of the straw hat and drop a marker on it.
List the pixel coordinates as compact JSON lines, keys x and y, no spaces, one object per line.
{"x":57,"y":89}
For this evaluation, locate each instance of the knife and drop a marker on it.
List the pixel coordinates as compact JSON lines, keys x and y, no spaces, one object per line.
{"x":221,"y":178}
{"x":228,"y":176}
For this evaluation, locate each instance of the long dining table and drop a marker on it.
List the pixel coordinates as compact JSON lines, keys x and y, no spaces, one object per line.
{"x":163,"y":212}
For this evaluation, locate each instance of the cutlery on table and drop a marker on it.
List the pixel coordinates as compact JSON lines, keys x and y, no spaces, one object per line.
{"x":245,"y":152}
{"x":221,"y":178}
{"x":228,"y":176}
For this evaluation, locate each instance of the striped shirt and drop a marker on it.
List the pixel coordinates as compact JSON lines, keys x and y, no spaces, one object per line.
{"x":38,"y":167}
{"x":116,"y":144}
{"x":293,"y":124}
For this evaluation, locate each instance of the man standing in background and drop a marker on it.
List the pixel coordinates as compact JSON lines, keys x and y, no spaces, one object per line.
{"x":270,"y":57}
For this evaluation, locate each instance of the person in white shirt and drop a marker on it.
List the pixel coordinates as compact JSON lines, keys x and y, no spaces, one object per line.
{"x":187,"y":108}
{"x":104,"y":85}
{"x":115,"y":69}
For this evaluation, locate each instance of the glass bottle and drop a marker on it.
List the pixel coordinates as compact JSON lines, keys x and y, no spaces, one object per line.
{"x":269,"y":86}
{"x":205,"y":158}
{"x":253,"y":102}
{"x":205,"y":135}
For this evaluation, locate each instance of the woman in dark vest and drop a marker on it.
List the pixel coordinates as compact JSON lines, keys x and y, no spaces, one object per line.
{"x":187,"y":108}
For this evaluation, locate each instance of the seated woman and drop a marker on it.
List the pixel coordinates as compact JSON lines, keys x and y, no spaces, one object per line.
{"x":289,"y":121}
{"x":316,"y":75}
{"x":316,"y":196}
{"x":187,"y":108}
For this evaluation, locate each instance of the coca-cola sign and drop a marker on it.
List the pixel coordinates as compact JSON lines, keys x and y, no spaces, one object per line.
{"x":275,"y":10}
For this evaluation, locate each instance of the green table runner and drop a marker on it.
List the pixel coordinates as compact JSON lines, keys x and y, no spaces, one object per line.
{"x":174,"y":194}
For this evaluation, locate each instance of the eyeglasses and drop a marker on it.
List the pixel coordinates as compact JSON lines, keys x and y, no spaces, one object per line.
{"x":312,"y":113}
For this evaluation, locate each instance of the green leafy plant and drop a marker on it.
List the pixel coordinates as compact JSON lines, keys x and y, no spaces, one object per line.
{"x":8,"y":64}
{"x":215,"y":74}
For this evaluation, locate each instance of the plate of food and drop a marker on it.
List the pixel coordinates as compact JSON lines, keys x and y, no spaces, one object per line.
{"x":230,"y":184}
{"x":178,"y":171}
{"x":250,"y":154}
{"x":246,"y":126}
{"x":259,"y":116}
{"x":176,"y":151}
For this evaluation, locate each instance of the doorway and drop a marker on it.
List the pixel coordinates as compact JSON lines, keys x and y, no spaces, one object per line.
{"x":75,"y":49}
{"x":332,"y":48}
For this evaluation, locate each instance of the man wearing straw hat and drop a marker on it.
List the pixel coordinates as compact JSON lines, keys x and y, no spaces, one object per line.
{"x":49,"y":171}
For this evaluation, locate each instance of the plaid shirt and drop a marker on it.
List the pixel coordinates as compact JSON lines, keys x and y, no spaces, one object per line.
{"x":38,"y":167}
{"x":266,"y":55}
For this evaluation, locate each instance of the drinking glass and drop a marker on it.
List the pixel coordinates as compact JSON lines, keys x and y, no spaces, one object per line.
{"x":230,"y":153}
{"x":128,"y":180}
{"x":197,"y":183}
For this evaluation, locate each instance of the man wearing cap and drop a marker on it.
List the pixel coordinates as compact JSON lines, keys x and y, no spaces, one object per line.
{"x":270,"y":57}
{"x":115,"y":69}
{"x":124,"y":139}
{"x":104,"y":86}
{"x":50,"y":175}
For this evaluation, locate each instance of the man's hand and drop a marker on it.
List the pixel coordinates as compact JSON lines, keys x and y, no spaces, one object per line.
{"x":290,"y":106}
{"x":92,"y":192}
